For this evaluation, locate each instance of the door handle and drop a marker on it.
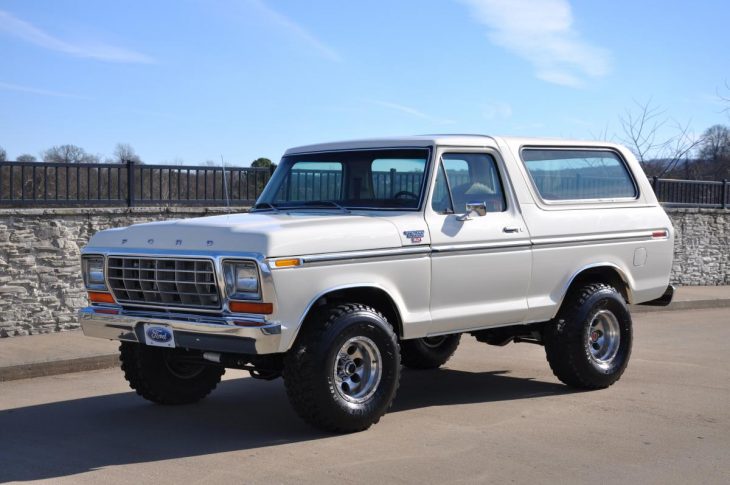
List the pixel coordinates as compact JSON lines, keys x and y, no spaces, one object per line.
{"x":511,"y":229}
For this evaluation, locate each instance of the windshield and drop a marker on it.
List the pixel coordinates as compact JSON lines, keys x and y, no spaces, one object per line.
{"x":358,"y":179}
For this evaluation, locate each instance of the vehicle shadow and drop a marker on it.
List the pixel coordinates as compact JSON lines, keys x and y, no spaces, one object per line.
{"x":69,"y":437}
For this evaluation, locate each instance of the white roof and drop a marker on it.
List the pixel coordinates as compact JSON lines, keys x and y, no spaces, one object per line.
{"x":439,"y":140}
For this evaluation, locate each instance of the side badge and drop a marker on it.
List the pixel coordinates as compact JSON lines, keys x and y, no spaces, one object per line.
{"x":414,"y":236}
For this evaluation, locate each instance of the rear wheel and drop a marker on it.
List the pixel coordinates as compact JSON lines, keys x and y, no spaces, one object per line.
{"x":167,"y":376}
{"x":429,"y":352}
{"x":343,"y":371}
{"x":589,"y":345}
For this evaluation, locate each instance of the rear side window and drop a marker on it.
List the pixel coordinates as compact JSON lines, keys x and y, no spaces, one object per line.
{"x":574,"y":174}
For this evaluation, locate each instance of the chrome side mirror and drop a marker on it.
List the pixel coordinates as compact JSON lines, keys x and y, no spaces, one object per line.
{"x":474,"y":209}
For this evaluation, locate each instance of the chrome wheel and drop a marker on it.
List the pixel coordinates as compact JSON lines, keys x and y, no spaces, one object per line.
{"x":603,"y":339}
{"x":358,"y":369}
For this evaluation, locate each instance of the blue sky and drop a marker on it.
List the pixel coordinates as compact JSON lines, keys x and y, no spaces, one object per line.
{"x":192,"y":80}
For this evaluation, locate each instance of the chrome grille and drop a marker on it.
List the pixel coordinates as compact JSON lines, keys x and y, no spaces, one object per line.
{"x":163,"y":281}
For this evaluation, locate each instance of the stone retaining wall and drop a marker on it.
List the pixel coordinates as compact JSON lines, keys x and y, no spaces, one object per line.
{"x":40,"y":274}
{"x":701,"y":247}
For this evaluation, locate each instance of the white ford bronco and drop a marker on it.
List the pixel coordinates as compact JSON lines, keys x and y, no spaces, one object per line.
{"x":363,"y":256}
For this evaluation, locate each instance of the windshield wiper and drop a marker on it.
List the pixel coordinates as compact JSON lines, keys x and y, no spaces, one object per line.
{"x":263,"y":206}
{"x":310,"y":203}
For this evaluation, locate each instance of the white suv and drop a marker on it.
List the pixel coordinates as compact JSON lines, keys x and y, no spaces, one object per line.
{"x":364,"y":255}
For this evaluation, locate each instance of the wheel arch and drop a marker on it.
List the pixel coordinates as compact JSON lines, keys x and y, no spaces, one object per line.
{"x":605,"y":272}
{"x":368,"y":294}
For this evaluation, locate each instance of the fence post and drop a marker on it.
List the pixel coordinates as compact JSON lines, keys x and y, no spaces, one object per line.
{"x":724,"y":194}
{"x":130,"y":183}
{"x":653,"y":182}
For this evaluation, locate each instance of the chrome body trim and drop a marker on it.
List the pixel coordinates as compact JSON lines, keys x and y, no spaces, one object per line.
{"x":499,"y":246}
{"x":266,"y":283}
{"x":191,"y":331}
{"x":371,"y":253}
{"x":515,"y":245}
{"x":594,"y":239}
{"x":119,"y":284}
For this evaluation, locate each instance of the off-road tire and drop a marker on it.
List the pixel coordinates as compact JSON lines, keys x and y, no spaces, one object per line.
{"x":151,"y":372}
{"x":428,"y":353}
{"x":567,"y":339}
{"x":310,"y":368}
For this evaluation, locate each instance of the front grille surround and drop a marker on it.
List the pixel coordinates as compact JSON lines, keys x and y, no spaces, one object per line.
{"x":164,"y":282}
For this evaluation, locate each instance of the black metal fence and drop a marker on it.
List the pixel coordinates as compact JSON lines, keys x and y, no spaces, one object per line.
{"x":127,"y":184}
{"x":692,"y":193}
{"x":131,"y":184}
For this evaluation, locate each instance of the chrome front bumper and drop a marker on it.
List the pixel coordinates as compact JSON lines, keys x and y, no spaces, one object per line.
{"x":215,"y":334}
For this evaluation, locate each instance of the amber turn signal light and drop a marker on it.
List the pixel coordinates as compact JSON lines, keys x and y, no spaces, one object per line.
{"x":287,"y":263}
{"x":251,"y":307}
{"x":99,"y":297}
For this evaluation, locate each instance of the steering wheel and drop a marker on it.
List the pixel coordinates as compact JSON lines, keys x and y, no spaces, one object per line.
{"x":405,"y":193}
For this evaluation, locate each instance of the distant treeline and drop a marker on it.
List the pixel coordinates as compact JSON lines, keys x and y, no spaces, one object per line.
{"x":69,"y":176}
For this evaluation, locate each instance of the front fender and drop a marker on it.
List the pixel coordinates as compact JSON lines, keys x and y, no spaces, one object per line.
{"x":405,"y":280}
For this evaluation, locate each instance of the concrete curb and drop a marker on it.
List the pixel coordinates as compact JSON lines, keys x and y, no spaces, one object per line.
{"x":52,"y":368}
{"x":683,"y":305}
{"x":105,"y":361}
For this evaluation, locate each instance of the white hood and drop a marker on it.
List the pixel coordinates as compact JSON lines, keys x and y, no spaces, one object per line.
{"x":273,"y":235}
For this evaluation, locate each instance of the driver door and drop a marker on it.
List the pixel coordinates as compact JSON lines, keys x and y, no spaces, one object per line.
{"x":480,"y":266}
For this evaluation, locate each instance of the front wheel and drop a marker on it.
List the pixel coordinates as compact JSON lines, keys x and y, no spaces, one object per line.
{"x":589,"y":345}
{"x":167,"y":376}
{"x":343,"y":371}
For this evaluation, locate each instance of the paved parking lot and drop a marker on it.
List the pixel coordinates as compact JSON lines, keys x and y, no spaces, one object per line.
{"x":492,"y":415}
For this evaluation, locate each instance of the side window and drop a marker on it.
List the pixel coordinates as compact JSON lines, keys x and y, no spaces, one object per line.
{"x":575,"y":174}
{"x":472,"y":177}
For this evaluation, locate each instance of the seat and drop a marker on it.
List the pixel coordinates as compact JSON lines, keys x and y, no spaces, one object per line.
{"x":476,"y":192}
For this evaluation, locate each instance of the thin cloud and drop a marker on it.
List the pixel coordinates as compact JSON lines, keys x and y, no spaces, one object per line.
{"x":26,"y":31}
{"x":40,"y":92}
{"x":541,"y":31}
{"x":413,"y":112}
{"x":296,"y":30}
{"x":497,"y":110}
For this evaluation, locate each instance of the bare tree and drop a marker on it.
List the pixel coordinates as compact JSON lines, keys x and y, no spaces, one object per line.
{"x":26,"y":157}
{"x":715,"y":143}
{"x":124,"y":153}
{"x":641,"y":132}
{"x":3,"y":154}
{"x":68,"y":154}
{"x":715,"y":151}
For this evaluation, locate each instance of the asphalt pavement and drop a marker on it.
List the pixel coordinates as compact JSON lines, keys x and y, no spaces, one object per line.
{"x":64,"y":352}
{"x":492,"y":415}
